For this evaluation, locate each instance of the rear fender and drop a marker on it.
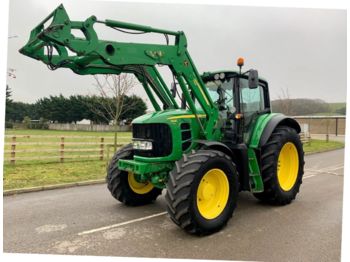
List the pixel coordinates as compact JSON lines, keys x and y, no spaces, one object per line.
{"x":279,"y":120}
{"x":266,"y":124}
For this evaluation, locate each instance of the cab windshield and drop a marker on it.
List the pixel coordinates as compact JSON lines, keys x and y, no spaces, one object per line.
{"x":226,"y":86}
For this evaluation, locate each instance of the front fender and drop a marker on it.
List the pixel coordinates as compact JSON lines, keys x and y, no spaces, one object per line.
{"x":215,"y":145}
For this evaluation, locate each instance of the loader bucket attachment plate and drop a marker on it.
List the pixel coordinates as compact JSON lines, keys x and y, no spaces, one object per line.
{"x":57,"y":37}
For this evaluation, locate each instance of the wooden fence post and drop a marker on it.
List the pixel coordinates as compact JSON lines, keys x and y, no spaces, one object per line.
{"x":336,"y":126}
{"x":62,"y":150}
{"x":108,"y":148}
{"x":13,"y":150}
{"x":310,"y":125}
{"x":102,"y":148}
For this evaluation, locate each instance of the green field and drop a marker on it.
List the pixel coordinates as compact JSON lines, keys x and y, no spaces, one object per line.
{"x":33,"y":173}
{"x":30,"y":173}
{"x":43,"y":146}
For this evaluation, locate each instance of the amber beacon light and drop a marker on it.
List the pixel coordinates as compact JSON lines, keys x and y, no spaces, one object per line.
{"x":240,"y":61}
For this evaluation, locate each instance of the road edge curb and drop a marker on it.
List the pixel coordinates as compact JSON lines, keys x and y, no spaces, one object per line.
{"x":51,"y":187}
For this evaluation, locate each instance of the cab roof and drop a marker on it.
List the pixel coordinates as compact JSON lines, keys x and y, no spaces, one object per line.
{"x":209,"y":75}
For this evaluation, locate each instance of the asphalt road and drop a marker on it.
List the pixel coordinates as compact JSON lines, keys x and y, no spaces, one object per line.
{"x":88,"y":221}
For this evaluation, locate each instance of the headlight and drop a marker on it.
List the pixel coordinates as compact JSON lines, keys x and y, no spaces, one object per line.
{"x":142,"y":145}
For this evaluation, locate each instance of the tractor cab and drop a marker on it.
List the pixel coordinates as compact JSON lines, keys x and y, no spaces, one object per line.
{"x":241,"y":98}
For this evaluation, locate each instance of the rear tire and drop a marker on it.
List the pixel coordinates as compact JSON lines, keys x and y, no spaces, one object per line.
{"x":124,"y":187}
{"x":193,"y":204}
{"x":282,"y":166}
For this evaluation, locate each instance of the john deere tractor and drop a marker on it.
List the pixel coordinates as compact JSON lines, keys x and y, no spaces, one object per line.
{"x":210,"y":136}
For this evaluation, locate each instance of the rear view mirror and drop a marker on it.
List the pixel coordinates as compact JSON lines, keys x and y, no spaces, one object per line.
{"x":253,"y":79}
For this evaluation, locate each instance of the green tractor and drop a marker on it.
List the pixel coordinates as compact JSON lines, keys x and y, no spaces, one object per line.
{"x":210,"y":136}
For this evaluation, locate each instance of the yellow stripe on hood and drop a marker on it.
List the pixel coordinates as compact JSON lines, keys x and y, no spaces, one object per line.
{"x":185,"y":116}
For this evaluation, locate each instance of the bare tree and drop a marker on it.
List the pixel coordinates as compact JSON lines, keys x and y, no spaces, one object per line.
{"x":286,"y":103}
{"x":114,"y":88}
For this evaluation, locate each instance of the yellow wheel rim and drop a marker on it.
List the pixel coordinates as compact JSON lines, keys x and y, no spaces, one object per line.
{"x":212,"y":193}
{"x":139,"y":188}
{"x":288,"y":166}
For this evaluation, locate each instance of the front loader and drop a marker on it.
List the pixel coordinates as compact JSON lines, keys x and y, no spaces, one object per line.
{"x":210,"y":136}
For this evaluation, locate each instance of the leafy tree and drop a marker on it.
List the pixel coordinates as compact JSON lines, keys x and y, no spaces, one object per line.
{"x":16,"y":111}
{"x":8,"y":95}
{"x":54,"y":108}
{"x":96,"y":109}
{"x":74,"y":108}
{"x":135,"y":107}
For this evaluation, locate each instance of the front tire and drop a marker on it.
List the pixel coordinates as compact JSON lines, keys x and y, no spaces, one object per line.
{"x":123,"y":185}
{"x":202,"y":191}
{"x":282,"y":166}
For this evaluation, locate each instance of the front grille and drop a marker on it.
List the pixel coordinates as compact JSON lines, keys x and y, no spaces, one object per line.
{"x":186,"y":136}
{"x":159,"y":134}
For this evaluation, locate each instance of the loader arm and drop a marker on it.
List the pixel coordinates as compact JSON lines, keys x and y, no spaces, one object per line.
{"x":90,"y":55}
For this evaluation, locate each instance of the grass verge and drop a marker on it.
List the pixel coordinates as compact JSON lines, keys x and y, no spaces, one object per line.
{"x":32,"y":175}
{"x":318,"y":146}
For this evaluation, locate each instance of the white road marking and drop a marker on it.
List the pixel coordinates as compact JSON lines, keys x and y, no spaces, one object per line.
{"x":121,"y":224}
{"x":309,"y":176}
{"x":328,"y":170}
{"x":333,"y":168}
{"x":340,"y":167}
{"x":323,"y":172}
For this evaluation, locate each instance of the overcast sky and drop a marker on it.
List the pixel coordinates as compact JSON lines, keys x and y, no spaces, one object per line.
{"x":302,"y":50}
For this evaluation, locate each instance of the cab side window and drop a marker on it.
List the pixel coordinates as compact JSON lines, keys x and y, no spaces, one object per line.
{"x":252,"y":102}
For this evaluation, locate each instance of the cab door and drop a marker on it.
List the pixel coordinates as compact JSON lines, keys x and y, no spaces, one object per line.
{"x":252,"y":105}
